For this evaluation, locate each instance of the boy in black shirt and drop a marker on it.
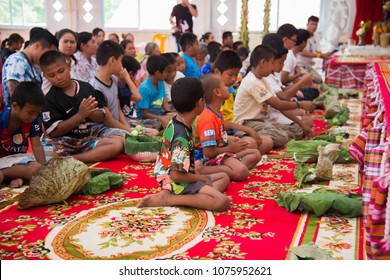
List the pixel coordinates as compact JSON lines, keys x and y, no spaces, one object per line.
{"x":70,"y":107}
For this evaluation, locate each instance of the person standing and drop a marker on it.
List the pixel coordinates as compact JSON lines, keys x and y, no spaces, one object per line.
{"x":183,"y":14}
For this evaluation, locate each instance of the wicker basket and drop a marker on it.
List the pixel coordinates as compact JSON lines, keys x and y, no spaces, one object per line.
{"x":142,"y":148}
{"x":144,"y":157}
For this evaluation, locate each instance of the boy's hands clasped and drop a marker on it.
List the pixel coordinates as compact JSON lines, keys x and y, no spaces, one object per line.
{"x":87,"y":106}
{"x":237,"y":145}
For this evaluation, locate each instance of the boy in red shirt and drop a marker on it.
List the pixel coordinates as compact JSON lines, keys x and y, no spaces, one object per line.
{"x":17,"y":124}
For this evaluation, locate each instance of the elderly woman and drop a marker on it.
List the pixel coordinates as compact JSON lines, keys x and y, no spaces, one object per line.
{"x":150,"y":49}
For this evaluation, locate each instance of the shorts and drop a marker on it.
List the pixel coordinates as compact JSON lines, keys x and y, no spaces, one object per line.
{"x":67,"y":146}
{"x":219,"y":158}
{"x":16,"y":159}
{"x":213,"y":161}
{"x":279,"y":136}
{"x":309,"y":94}
{"x":102,"y":131}
{"x":191,"y":188}
{"x":295,"y":130}
{"x":194,"y":187}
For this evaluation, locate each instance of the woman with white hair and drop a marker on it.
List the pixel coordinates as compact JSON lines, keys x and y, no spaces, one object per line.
{"x":150,"y":49}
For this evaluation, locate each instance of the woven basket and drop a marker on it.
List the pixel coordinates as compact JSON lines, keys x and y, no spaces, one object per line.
{"x":142,"y":148}
{"x":144,"y":157}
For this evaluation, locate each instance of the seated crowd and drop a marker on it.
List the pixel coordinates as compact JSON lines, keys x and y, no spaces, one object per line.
{"x":218,"y":107}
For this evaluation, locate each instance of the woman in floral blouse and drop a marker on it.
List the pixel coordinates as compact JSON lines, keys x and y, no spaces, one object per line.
{"x":86,"y":67}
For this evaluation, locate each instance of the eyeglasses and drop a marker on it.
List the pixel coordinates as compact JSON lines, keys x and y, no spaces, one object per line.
{"x":294,"y":40}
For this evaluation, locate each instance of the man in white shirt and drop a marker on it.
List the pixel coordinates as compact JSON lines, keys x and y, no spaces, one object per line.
{"x":312,"y":50}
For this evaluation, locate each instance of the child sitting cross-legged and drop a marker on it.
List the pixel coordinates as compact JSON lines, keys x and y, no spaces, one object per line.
{"x":154,"y":104}
{"x":221,"y":153}
{"x":128,"y":94}
{"x":70,"y":107}
{"x":254,"y":96}
{"x":17,"y":124}
{"x":227,"y":65}
{"x":174,"y":169}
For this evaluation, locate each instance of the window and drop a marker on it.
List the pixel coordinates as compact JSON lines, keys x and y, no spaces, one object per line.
{"x":137,"y":14}
{"x":22,"y":12}
{"x":282,"y":11}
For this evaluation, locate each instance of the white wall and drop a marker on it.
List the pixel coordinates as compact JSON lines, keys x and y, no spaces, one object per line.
{"x":206,"y":21}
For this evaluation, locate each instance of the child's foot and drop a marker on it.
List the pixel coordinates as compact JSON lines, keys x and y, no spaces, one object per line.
{"x":153,"y":200}
{"x":16,"y":183}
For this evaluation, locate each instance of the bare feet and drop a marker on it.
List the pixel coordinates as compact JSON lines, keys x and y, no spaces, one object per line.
{"x":226,"y":205}
{"x":16,"y":183}
{"x":153,"y":200}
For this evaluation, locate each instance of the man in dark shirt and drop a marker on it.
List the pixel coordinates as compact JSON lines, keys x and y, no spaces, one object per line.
{"x":183,"y":14}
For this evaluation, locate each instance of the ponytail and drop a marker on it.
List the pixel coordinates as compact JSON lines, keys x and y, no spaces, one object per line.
{"x":3,"y":44}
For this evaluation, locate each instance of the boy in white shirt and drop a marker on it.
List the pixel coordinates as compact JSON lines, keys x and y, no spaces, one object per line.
{"x":291,"y":72}
{"x":254,"y":95}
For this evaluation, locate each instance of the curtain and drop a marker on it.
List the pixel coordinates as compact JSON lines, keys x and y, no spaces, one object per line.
{"x":367,"y":10}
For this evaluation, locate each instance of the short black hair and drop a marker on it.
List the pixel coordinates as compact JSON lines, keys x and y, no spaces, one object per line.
{"x":28,"y":92}
{"x":237,"y":44}
{"x":185,"y":93}
{"x":50,"y":57}
{"x":64,"y":31}
{"x":226,"y":34}
{"x":156,"y":63}
{"x":175,"y":54}
{"x":32,"y":32}
{"x":243,"y":52}
{"x":61,"y":33}
{"x":259,"y":53}
{"x":205,"y":36}
{"x":275,"y":41}
{"x":170,"y":57}
{"x":83,"y":38}
{"x":313,"y":18}
{"x":287,"y":30}
{"x":45,"y":38}
{"x":124,"y":43}
{"x":210,"y":82}
{"x":130,"y":64}
{"x":272,"y":38}
{"x":303,"y":35}
{"x":106,"y":50}
{"x":213,"y":49}
{"x":187,"y":39}
{"x":227,"y":60}
{"x":115,"y":35}
{"x":96,"y":31}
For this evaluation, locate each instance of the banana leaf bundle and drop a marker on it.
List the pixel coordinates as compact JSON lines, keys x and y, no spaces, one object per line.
{"x":307,"y":151}
{"x":320,"y":203}
{"x":343,"y":93}
{"x":340,"y":118}
{"x":331,"y":104}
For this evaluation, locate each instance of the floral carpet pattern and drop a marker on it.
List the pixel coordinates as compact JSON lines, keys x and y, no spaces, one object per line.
{"x":109,"y":226}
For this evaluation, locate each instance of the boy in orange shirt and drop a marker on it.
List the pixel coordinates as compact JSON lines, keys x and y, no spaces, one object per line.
{"x":220,"y":152}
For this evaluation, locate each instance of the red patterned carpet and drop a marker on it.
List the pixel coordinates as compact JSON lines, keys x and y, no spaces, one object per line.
{"x":109,"y":226}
